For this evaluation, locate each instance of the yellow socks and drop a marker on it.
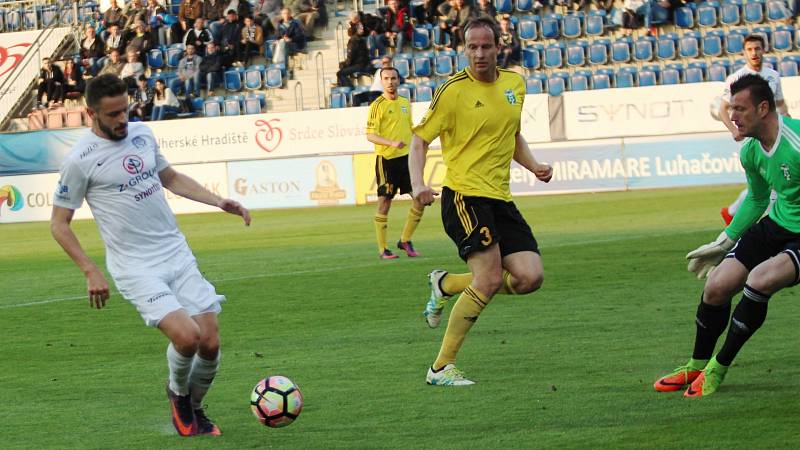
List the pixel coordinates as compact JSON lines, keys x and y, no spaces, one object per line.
{"x":381,"y":223}
{"x":508,"y":284}
{"x":414,"y":216}
{"x":465,"y":313}
{"x":453,"y":283}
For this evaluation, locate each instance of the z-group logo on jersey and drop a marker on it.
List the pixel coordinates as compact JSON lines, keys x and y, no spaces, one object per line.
{"x":133,"y":164}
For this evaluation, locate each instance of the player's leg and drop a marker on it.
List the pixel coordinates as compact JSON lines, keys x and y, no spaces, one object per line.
{"x":385,"y":193}
{"x":730,"y":211}
{"x":184,"y":337}
{"x":763,"y":281}
{"x":523,"y":272}
{"x":204,"y":369}
{"x":401,"y":178}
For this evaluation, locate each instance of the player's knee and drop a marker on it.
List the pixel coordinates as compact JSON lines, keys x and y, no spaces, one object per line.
{"x":764,"y":280}
{"x":209,"y":346}
{"x":488,"y":284}
{"x":186,"y":341}
{"x":717,"y":291}
{"x":528,"y":283}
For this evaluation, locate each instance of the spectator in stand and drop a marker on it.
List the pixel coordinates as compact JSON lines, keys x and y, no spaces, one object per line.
{"x":211,"y":67}
{"x":369,"y":27}
{"x":291,"y":38}
{"x":113,"y":41}
{"x":357,"y":59}
{"x":199,"y":36}
{"x":427,"y":12}
{"x":485,"y":8}
{"x":51,"y":82}
{"x":267,"y":13}
{"x":92,"y":50}
{"x":142,"y":105}
{"x":113,"y":64}
{"x":73,"y":80}
{"x":140,"y":42}
{"x":188,"y":12}
{"x":135,"y":12}
{"x":189,"y":72}
{"x":243,"y":9}
{"x":155,"y":18}
{"x":636,"y":12}
{"x":114,"y":16}
{"x":454,"y":21}
{"x":376,"y":89}
{"x":230,"y":39}
{"x":132,"y":70}
{"x":307,"y":13}
{"x":214,"y":13}
{"x":164,"y":102}
{"x":396,"y":26}
{"x":251,"y":40}
{"x":509,"y":43}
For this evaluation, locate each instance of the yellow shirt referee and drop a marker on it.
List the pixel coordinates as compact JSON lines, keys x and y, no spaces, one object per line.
{"x":476,"y":115}
{"x":389,"y":128}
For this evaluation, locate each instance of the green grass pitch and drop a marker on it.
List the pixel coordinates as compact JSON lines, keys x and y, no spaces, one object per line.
{"x":570,"y":366}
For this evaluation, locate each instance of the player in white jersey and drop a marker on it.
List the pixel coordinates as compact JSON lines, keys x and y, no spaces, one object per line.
{"x":121,"y":173}
{"x":754,"y":48}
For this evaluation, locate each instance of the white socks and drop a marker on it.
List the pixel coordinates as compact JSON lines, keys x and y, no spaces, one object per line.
{"x":179,"y":366}
{"x":201,"y":377}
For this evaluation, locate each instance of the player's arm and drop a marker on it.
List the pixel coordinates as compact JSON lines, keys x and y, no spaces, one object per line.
{"x":783,"y":110}
{"x":185,"y":186}
{"x":417,"y":156}
{"x":96,"y":283}
{"x":380,"y":140}
{"x":524,"y":157}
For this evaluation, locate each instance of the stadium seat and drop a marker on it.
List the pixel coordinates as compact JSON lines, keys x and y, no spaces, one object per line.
{"x":625,"y":78}
{"x":532,"y":57}
{"x":553,"y":56}
{"x":689,"y":46}
{"x":738,"y":64}
{"x":13,"y":20}
{"x":232,"y":80}
{"x":533,"y":85}
{"x":754,"y":11}
{"x":572,"y":25}
{"x":684,"y":18}
{"x":74,"y":118}
{"x":621,"y":51}
{"x":211,"y":108}
{"x":579,"y":80}
{"x":252,"y":106}
{"x":422,"y":67}
{"x":598,"y":52}
{"x":549,"y":26}
{"x":717,"y":72}
{"x":601,"y":81}
{"x":666,"y":46}
{"x":670,"y":76}
{"x":643,"y":49}
{"x":232,"y":108}
{"x":174,"y":55}
{"x":155,"y":58}
{"x":252,"y":79}
{"x":777,"y":10}
{"x":527,"y":29}
{"x":443,"y":66}
{"x":273,"y":78}
{"x":403,"y":66}
{"x":48,"y":15}
{"x":647,"y":78}
{"x":734,"y":41}
{"x":461,"y":62}
{"x":782,"y":38}
{"x":730,"y":14}
{"x":524,"y":5}
{"x":421,"y":38}
{"x":771,"y":61}
{"x":788,"y":68}
{"x":424,"y":93}
{"x":576,"y":53}
{"x":766,"y":32}
{"x":440,"y":38}
{"x":712,"y":43}
{"x":595,"y":23}
{"x":556,"y":86}
{"x":693,"y":75}
{"x":504,"y":6}
{"x":707,"y":14}
{"x":338,"y":100}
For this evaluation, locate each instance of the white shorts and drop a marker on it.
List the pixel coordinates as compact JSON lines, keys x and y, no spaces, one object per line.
{"x":160,"y":290}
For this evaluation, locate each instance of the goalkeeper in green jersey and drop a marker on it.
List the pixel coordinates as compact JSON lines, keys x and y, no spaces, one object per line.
{"x":758,"y":257}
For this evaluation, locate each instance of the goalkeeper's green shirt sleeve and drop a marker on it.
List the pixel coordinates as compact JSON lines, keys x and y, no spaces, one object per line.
{"x":757,"y":199}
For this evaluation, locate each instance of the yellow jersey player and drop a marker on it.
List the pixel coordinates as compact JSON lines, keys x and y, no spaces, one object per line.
{"x":476,"y":115}
{"x":389,"y":128}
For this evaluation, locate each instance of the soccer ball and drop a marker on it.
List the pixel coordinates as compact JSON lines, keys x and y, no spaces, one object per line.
{"x":276,"y":401}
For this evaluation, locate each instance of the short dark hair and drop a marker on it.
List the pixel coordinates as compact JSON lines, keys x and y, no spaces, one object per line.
{"x":483,"y":22}
{"x":758,"y":87}
{"x":390,"y":68}
{"x":755,"y":38}
{"x":108,"y":85}
{"x":142,"y":78}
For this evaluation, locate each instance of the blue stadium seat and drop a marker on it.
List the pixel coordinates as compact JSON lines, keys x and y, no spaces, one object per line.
{"x":598,"y":52}
{"x":579,"y":80}
{"x":443,"y":66}
{"x":647,"y":78}
{"x":766,"y":32}
{"x":693,"y":75}
{"x":49,"y":14}
{"x":738,"y":64}
{"x":684,"y":18}
{"x":625,"y":78}
{"x":504,"y":6}
{"x":174,"y":55}
{"x":730,"y":14}
{"x":734,"y":41}
{"x":421,"y":38}
{"x":338,"y":100}
{"x":771,"y":61}
{"x":422,"y":67}
{"x":595,"y":23}
{"x":261,"y":96}
{"x":232,"y":80}
{"x":403,"y":66}
{"x":211,"y":108}
{"x":232,"y":107}
{"x":13,"y":20}
{"x":252,"y":106}
{"x":712,"y":43}
{"x":556,"y":86}
{"x":754,"y":11}
{"x":621,"y":51}
{"x":155,"y":58}
{"x":666,"y":46}
{"x":527,"y":29}
{"x":572,"y":26}
{"x":689,"y":46}
{"x":655,"y":68}
{"x":576,"y":53}
{"x":601,"y":80}
{"x":197,"y":104}
{"x":524,"y":5}
{"x":670,"y":76}
{"x":549,"y":26}
{"x":407,"y":90}
{"x":424,"y":93}
{"x":440,"y":38}
{"x":273,"y":78}
{"x":461,"y":62}
{"x":777,"y":10}
{"x":553,"y":56}
{"x":532,"y":57}
{"x":782,"y":38}
{"x":788,"y":68}
{"x":717,"y":72}
{"x":707,"y":14}
{"x":533,"y":85}
{"x":643,"y":49}
{"x":252,"y":79}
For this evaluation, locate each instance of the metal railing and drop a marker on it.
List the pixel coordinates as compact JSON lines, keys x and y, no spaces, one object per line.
{"x":319,"y":66}
{"x":298,"y":99}
{"x":341,"y":42}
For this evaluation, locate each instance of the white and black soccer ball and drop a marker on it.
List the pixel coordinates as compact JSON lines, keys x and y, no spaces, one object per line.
{"x":276,"y":401}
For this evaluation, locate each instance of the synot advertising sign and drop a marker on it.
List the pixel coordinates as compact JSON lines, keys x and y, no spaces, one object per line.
{"x":641,"y":111}
{"x":292,"y":183}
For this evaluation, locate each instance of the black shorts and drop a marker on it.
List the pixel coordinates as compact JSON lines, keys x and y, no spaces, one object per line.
{"x":765,"y":240}
{"x":475,"y":223}
{"x":392,"y":176}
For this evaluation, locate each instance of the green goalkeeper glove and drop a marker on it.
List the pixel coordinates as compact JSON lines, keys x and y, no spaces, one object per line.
{"x":706,"y":257}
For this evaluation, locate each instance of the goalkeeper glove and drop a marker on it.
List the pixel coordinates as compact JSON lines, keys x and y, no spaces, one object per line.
{"x":706,"y":257}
